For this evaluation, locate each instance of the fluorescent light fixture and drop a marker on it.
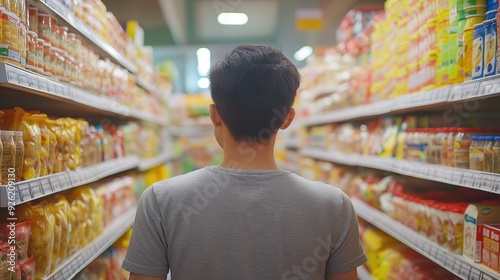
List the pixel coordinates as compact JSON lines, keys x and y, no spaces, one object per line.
{"x":303,"y":53}
{"x":232,"y":18}
{"x":203,"y":55}
{"x":203,"y":83}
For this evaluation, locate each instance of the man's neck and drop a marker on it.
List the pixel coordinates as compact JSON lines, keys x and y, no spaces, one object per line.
{"x":243,"y":155}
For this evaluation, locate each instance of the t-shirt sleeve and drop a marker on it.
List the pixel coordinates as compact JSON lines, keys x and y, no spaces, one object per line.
{"x":347,"y":252}
{"x":147,"y":251}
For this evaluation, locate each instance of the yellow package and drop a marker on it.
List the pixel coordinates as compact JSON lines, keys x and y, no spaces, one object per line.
{"x":45,"y":143}
{"x":84,"y":148}
{"x":96,"y":210}
{"x":32,"y":143}
{"x":63,"y":143}
{"x":73,"y":219}
{"x":41,"y":242}
{"x":52,"y":158}
{"x":61,"y":224}
{"x":60,"y":209}
{"x":58,"y":141}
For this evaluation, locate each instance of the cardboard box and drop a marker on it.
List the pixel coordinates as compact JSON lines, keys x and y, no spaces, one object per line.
{"x":476,"y":215}
{"x":491,"y":245}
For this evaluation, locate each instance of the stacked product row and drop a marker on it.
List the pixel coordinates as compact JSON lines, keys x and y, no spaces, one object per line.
{"x":398,"y":137}
{"x":36,"y":145}
{"x":389,"y":259}
{"x":36,"y":41}
{"x":461,"y":220}
{"x":52,"y":230}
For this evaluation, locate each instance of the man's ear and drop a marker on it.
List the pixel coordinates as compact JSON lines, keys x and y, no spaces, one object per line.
{"x":214,"y":116}
{"x":289,"y":118}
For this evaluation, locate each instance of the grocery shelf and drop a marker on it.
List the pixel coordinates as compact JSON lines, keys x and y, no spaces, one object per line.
{"x":36,"y":188}
{"x":443,"y":96}
{"x":69,"y":268}
{"x":163,"y":157}
{"x":363,"y":273}
{"x":75,"y":25}
{"x":56,"y":96}
{"x":484,"y":181}
{"x":456,"y":264}
{"x":149,"y":88}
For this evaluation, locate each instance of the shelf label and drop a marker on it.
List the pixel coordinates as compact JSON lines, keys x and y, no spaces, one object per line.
{"x":474,"y":274}
{"x":12,"y":77}
{"x":51,"y":88}
{"x":55,"y":183}
{"x":464,"y":271}
{"x":43,"y":86}
{"x":488,"y":277}
{"x":45,"y":186}
{"x":24,"y":191}
{"x":466,"y":90}
{"x":467,"y":179}
{"x":478,"y":180}
{"x":59,"y":90}
{"x":457,"y":177}
{"x":35,"y":188}
{"x":491,"y":86}
{"x":496,"y":184}
{"x":23,"y":80}
{"x":488,"y":181}
{"x":33,"y":83}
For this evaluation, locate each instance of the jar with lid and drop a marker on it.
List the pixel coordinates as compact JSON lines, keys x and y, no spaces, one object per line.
{"x":18,"y":140}
{"x":476,"y":153}
{"x":488,"y":153}
{"x":461,"y":145}
{"x":496,"y":156}
{"x":8,"y":156}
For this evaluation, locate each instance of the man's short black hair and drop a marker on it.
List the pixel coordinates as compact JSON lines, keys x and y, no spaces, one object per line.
{"x":253,"y":88}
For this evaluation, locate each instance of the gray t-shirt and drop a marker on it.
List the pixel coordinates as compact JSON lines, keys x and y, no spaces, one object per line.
{"x":222,"y":223}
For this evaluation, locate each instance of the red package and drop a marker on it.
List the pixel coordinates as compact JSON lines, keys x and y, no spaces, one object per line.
{"x":21,"y":233}
{"x":7,"y":255}
{"x":28,"y":268}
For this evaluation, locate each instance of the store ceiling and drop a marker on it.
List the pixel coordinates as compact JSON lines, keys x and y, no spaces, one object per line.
{"x":193,"y":22}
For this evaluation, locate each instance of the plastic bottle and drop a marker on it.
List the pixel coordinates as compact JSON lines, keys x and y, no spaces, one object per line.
{"x":476,"y":153}
{"x":461,"y":145}
{"x":18,"y":139}
{"x":496,"y":156}
{"x":8,"y":155}
{"x":450,"y":142}
{"x":488,"y":153}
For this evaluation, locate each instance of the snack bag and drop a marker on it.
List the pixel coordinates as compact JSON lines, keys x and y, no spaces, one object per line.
{"x":41,"y":242}
{"x":73,"y":223}
{"x":60,"y":233}
{"x":58,"y":141}
{"x":32,"y":143}
{"x":45,"y":143}
{"x":65,"y":143}
{"x":60,"y":209}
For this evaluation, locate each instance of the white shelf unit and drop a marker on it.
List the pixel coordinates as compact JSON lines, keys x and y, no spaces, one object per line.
{"x":454,"y":263}
{"x":164,"y":157}
{"x":477,"y":89}
{"x":67,"y":17}
{"x":363,"y":273}
{"x":35,"y":84}
{"x":47,"y":185}
{"x":69,"y":268}
{"x":484,"y":181}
